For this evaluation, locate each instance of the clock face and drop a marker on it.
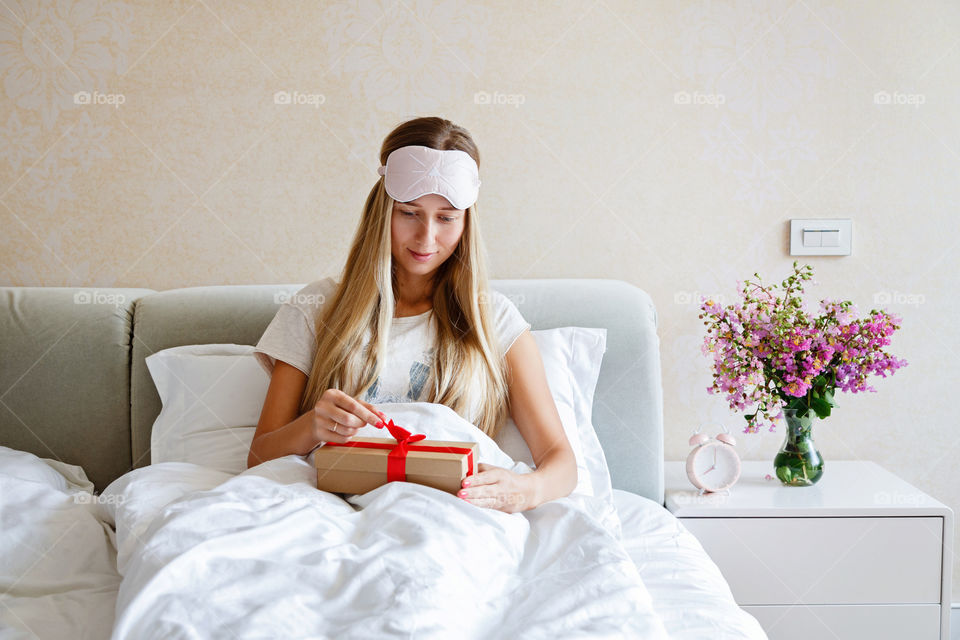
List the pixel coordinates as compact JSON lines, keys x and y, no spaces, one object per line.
{"x":713,"y":466}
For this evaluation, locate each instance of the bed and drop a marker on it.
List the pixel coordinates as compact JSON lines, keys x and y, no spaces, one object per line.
{"x":209,"y":550}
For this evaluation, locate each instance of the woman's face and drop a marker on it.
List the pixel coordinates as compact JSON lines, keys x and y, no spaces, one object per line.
{"x":428,"y":225}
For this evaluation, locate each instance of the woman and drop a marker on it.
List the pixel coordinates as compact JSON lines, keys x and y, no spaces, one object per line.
{"x":413,"y":319}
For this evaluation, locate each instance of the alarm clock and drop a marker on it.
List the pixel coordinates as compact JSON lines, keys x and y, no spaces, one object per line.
{"x":713,"y":464}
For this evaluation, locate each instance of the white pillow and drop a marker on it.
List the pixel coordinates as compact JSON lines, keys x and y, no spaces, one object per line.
{"x":571,"y":358}
{"x":212,"y":396}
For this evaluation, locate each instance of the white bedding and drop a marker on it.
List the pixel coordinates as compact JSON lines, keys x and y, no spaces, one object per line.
{"x":264,"y":554}
{"x":689,"y":593}
{"x":58,"y":575}
{"x":206,"y":554}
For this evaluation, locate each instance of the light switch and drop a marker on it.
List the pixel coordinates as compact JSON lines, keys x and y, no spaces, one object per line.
{"x":830,"y":238}
{"x":811,"y":238}
{"x":821,"y":237}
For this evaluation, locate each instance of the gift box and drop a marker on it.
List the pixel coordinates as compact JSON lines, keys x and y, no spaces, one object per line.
{"x":362,"y":464}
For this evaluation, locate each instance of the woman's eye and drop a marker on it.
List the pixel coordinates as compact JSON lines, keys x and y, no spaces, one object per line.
{"x":442,"y":218}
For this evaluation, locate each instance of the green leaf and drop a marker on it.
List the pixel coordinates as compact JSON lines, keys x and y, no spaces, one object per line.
{"x":828,"y":396}
{"x":821,"y":406}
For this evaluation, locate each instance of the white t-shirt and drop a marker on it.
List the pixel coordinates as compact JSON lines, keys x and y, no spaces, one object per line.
{"x":291,"y":337}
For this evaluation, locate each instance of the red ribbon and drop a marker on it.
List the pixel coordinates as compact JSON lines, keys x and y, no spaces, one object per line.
{"x":397,"y":458}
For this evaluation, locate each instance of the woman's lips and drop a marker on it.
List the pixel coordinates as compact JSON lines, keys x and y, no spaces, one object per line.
{"x":420,"y":257}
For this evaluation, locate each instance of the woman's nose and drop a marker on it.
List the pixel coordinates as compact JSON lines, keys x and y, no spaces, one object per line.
{"x":425,"y":230}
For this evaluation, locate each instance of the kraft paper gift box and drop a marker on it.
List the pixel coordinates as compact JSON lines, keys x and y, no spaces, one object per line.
{"x":363,"y":464}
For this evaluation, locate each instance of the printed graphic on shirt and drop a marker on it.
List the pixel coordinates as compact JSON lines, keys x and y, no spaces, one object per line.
{"x":418,"y":375}
{"x":373,"y":391}
{"x":419,"y":372}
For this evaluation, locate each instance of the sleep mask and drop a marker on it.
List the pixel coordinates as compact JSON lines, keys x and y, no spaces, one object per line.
{"x":415,"y":170}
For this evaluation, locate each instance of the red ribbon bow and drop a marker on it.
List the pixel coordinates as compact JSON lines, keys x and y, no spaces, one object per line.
{"x":397,"y":458}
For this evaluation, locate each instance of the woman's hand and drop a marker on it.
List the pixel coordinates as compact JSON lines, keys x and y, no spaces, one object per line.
{"x":337,"y":416}
{"x":499,"y":488}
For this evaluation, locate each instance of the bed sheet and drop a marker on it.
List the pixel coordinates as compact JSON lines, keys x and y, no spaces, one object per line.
{"x":689,"y":593}
{"x":58,"y":576}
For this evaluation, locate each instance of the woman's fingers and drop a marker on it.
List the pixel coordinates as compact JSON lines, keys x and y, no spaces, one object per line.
{"x":488,"y":474}
{"x":373,"y":409}
{"x":339,"y":408}
{"x":495,"y":488}
{"x":502,"y":502}
{"x":365,"y":411}
{"x":343,"y":417}
{"x":362,"y":411}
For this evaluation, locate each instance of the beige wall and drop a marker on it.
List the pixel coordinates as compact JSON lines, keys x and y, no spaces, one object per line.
{"x":591,"y":166}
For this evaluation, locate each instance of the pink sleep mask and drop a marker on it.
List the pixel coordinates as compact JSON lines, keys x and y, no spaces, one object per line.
{"x":414,"y":170}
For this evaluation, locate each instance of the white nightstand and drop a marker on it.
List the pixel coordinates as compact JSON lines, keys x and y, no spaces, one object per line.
{"x":860,"y":554}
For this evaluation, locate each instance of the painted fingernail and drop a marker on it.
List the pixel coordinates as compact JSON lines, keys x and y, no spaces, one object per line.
{"x":462,"y":494}
{"x":466,"y":483}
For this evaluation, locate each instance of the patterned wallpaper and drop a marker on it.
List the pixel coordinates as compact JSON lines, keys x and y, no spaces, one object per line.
{"x":668,"y":144}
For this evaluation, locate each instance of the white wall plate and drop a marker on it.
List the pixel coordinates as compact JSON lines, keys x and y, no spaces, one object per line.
{"x":821,"y":236}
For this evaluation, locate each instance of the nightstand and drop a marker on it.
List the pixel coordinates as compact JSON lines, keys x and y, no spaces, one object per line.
{"x":860,"y":554}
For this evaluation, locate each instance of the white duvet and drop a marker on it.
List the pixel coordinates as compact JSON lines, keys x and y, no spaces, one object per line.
{"x":265,"y":554}
{"x":207,"y":554}
{"x":689,"y":593}
{"x":204,"y":554}
{"x":58,"y":576}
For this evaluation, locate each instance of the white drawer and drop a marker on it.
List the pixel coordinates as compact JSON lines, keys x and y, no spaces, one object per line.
{"x":877,"y":622}
{"x":836,"y":560}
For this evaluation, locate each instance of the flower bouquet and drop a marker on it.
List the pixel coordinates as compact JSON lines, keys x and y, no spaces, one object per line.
{"x":769,"y":352}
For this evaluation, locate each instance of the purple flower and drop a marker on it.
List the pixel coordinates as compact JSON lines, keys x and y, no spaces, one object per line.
{"x":768,"y":349}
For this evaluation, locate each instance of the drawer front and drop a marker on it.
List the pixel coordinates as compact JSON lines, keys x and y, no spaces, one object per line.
{"x":877,"y":622}
{"x":826,"y":560}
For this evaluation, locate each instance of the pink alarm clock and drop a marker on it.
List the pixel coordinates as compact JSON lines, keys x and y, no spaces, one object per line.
{"x":713,"y":464}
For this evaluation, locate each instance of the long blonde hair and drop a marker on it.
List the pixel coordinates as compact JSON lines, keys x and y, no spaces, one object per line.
{"x":468,"y":358}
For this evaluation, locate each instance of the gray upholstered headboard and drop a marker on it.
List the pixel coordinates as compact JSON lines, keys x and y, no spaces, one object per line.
{"x":74,"y":385}
{"x":628,"y":403}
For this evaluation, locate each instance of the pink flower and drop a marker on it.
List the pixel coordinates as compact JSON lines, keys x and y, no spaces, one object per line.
{"x":768,"y":349}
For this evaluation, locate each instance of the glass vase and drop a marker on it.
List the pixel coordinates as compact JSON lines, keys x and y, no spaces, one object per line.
{"x":798,"y":463}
